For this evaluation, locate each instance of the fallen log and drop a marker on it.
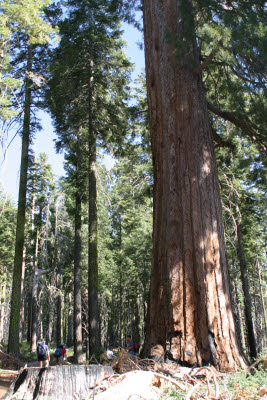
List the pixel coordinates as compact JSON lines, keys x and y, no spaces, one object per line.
{"x":57,"y":383}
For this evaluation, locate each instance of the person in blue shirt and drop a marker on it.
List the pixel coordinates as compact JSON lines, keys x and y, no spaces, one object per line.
{"x":130,"y":345}
{"x":43,"y":354}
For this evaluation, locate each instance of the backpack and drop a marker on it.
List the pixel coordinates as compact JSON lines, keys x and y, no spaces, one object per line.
{"x":41,"y":349}
{"x":136,"y":347}
{"x":58,"y":352}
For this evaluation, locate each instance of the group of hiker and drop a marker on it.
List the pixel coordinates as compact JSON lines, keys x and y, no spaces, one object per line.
{"x":132,"y":348}
{"x":44,"y":356}
{"x":60,"y":354}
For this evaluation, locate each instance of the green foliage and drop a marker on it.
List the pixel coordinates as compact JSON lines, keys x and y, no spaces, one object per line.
{"x":125,"y":245}
{"x":90,"y":72}
{"x":27,"y":17}
{"x":18,"y":18}
{"x":243,"y":191}
{"x":235,"y":77}
{"x":7,"y":232}
{"x":243,"y":385}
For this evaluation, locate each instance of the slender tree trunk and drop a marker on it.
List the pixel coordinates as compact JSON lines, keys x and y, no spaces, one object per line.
{"x":77,"y":314}
{"x":2,"y":283}
{"x":31,"y":264}
{"x":29,"y":321}
{"x":189,"y":309}
{"x":120,"y":313}
{"x":70,"y":323}
{"x":136,"y":321}
{"x":247,"y":299}
{"x":13,"y":339}
{"x":48,"y":321}
{"x":112,"y":322}
{"x":93,"y":252}
{"x":22,"y":291}
{"x":59,"y":297}
{"x":2,"y":304}
{"x":236,"y":310}
{"x":93,"y":310}
{"x":262,"y":297}
{"x":34,"y":318}
{"x":144,"y":297}
{"x":40,"y":324}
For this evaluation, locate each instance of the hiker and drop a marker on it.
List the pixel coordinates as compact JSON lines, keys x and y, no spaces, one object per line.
{"x":110,"y":354}
{"x":43,"y":354}
{"x":60,"y":355}
{"x":130,"y":345}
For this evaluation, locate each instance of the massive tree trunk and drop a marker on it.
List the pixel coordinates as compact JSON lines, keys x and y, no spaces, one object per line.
{"x":13,"y":338}
{"x":57,"y":383}
{"x":189,"y":309}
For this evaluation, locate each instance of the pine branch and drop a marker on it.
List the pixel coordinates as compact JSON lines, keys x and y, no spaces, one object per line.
{"x":220,"y":142}
{"x":207,"y":60}
{"x":241,"y":122}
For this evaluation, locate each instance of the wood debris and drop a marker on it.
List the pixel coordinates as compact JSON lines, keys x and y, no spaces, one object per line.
{"x":190,"y":383}
{"x":7,"y":361}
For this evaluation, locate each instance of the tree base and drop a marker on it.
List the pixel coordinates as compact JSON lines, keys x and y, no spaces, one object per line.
{"x":57,"y":383}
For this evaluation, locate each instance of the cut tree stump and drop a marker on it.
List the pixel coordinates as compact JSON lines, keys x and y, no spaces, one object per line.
{"x":73,"y":382}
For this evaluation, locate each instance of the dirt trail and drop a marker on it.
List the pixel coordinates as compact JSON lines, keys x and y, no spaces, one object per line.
{"x":6,"y":378}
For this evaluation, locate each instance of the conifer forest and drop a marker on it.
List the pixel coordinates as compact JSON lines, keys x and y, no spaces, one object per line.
{"x":169,"y":244}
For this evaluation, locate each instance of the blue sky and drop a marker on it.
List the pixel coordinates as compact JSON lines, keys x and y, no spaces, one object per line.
{"x":9,"y":169}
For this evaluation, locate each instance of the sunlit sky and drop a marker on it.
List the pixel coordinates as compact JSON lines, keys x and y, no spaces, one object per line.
{"x":44,"y":140}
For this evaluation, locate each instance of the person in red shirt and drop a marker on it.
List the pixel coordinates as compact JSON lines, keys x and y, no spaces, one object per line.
{"x":60,"y":360}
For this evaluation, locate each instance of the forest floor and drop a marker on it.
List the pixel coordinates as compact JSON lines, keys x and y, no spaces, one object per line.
{"x":133,"y":377}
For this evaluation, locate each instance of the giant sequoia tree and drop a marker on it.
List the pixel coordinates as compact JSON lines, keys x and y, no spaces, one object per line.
{"x":189,"y":278}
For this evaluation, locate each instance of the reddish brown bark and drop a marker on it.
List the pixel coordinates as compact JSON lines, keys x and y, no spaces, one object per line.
{"x":190,"y":313}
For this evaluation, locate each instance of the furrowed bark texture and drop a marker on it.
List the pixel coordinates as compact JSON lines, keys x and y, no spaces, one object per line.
{"x":189,"y":308}
{"x":13,"y":338}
